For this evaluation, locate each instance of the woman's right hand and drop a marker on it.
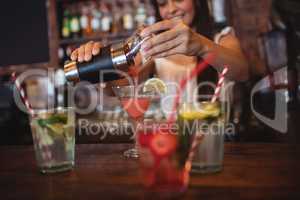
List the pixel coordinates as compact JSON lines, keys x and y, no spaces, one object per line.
{"x":86,"y":51}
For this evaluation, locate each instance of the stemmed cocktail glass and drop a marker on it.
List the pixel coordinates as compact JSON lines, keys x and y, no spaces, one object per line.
{"x":135,"y":102}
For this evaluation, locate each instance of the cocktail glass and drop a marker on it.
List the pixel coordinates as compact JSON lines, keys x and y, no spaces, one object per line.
{"x":135,"y":102}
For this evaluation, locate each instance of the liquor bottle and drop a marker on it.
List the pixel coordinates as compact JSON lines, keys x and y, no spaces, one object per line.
{"x":218,"y":14}
{"x":61,"y":55}
{"x":128,"y":21}
{"x":140,"y":16}
{"x":66,"y":32}
{"x":151,"y":19}
{"x":75,"y":24}
{"x":118,"y":56}
{"x":117,"y":17}
{"x":218,"y":8}
{"x":85,"y":21}
{"x":106,"y":20}
{"x":96,"y":18}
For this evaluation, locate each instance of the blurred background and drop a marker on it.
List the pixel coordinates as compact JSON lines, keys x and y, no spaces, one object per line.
{"x":43,"y":33}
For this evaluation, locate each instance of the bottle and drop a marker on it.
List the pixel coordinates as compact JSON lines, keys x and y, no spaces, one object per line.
{"x":218,"y":8}
{"x":118,"y":56}
{"x":218,"y":15}
{"x":128,"y":21}
{"x":96,"y":18}
{"x":106,"y":20}
{"x":85,"y":21}
{"x":140,"y":16}
{"x":151,"y":19}
{"x":75,"y":23}
{"x":65,"y":32}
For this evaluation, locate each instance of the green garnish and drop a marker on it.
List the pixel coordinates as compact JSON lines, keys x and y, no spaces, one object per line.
{"x":53,"y":119}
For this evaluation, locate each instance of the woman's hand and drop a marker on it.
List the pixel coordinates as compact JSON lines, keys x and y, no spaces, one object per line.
{"x":86,"y":51}
{"x":177,"y":38}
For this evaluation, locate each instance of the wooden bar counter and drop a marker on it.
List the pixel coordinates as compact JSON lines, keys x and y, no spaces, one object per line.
{"x":251,"y":171}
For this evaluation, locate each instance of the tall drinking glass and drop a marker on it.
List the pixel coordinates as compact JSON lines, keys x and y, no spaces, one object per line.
{"x":53,"y":133}
{"x":52,"y":125}
{"x":210,"y":118}
{"x":164,"y":150}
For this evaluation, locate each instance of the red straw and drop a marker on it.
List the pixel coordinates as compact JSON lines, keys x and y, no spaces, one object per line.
{"x":220,"y":84}
{"x":196,"y":71}
{"x":22,"y":93}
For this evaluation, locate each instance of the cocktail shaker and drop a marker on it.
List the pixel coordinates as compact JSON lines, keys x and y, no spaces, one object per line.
{"x":105,"y":66}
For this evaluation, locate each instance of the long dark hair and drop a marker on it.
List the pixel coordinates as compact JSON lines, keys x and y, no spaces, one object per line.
{"x":202,"y":20}
{"x":203,"y":24}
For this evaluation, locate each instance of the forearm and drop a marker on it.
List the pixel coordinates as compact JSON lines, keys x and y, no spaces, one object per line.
{"x":224,"y":56}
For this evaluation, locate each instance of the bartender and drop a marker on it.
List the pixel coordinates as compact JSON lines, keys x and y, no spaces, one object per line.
{"x":180,"y":39}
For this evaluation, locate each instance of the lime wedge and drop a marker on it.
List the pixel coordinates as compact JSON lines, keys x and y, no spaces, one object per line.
{"x":53,"y":119}
{"x":155,"y":85}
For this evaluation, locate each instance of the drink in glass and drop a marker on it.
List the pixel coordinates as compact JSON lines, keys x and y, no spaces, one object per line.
{"x":135,"y":106}
{"x":135,"y":102}
{"x":53,"y":133}
{"x":164,"y":150}
{"x":208,"y":157}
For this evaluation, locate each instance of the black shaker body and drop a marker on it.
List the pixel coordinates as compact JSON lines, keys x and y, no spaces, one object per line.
{"x":99,"y":69}
{"x":107,"y":66}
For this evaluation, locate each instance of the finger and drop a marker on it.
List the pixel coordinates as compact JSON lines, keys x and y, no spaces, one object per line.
{"x":74,"y":55}
{"x":88,"y":51}
{"x":81,"y":53}
{"x":159,"y":26}
{"x":175,"y":50}
{"x":96,"y":48}
{"x":164,"y":47}
{"x":159,"y":39}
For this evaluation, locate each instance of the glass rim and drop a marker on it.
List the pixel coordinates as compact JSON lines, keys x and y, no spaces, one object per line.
{"x":142,"y":94}
{"x":44,"y":110}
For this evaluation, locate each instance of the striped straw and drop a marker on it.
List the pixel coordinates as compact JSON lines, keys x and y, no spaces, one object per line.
{"x":198,"y":138}
{"x":196,"y":141}
{"x":46,"y":152}
{"x":220,"y":84}
{"x":195,"y":72}
{"x":22,"y":93}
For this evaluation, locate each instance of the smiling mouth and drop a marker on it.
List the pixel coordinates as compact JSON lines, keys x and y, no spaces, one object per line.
{"x":177,"y":17}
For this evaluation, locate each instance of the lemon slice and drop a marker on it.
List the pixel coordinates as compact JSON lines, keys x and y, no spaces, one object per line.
{"x":56,"y":128}
{"x":155,"y":85}
{"x":210,"y":109}
{"x":189,"y":112}
{"x":211,"y":113}
{"x":192,"y":115}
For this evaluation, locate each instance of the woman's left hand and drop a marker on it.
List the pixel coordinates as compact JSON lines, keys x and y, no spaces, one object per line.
{"x":176,"y":38}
